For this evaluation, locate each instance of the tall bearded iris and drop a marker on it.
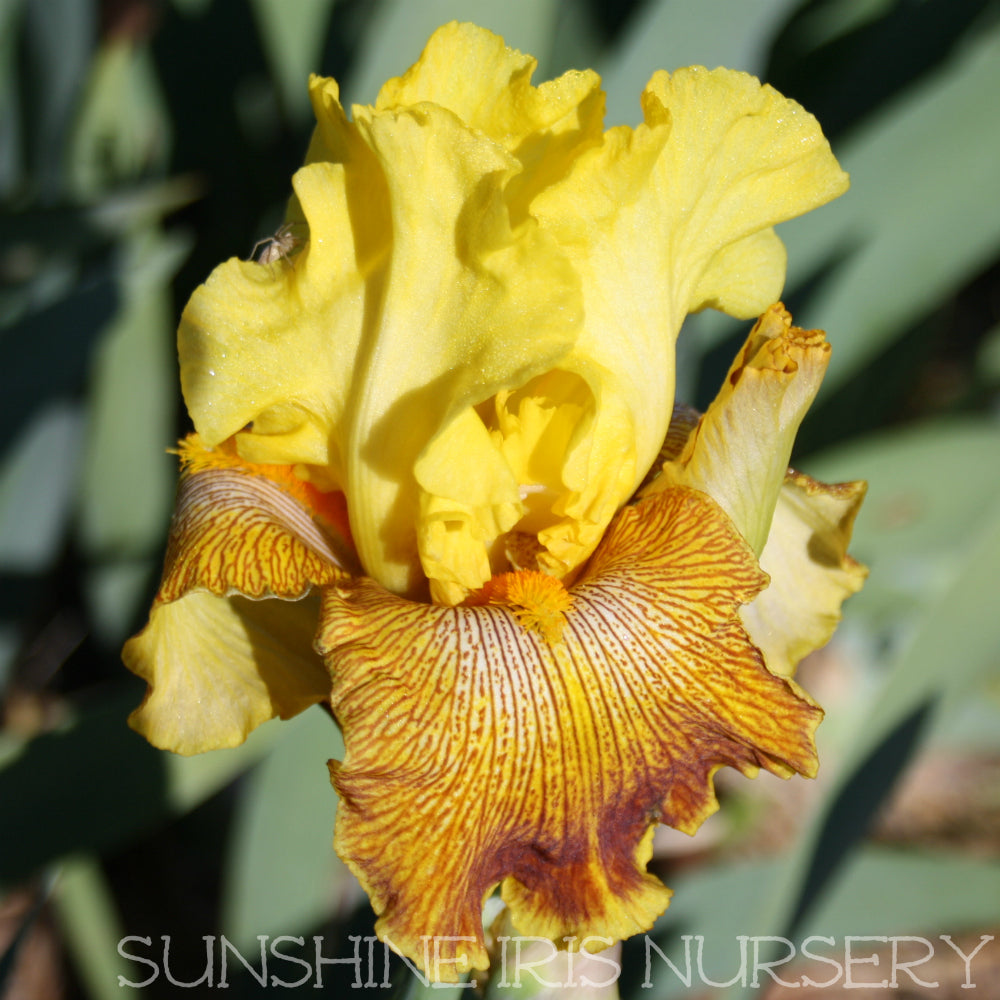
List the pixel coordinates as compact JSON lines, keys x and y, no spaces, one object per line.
{"x":438,"y":481}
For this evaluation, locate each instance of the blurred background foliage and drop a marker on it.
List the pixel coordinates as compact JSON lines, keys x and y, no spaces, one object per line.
{"x":144,"y":141}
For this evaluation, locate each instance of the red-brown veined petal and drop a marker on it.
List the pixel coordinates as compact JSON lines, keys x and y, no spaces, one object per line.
{"x":479,"y":751}
{"x":238,"y":532}
{"x":217,"y":664}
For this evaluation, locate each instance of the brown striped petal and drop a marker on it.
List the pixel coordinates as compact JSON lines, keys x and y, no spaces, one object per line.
{"x":217,"y":664}
{"x":493,"y":744}
{"x":238,"y":532}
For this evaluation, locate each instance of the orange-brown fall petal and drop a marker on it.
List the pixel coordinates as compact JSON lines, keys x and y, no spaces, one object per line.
{"x":479,"y":751}
{"x":251,"y":530}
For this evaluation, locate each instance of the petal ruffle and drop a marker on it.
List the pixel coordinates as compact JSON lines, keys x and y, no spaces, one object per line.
{"x":471,"y":72}
{"x":741,"y":158}
{"x":414,"y":299}
{"x":811,"y":573}
{"x":739,"y":452}
{"x":217,"y":667}
{"x":217,"y":664}
{"x":503,"y":306}
{"x":480,"y":752}
{"x":664,"y":220}
{"x":266,"y":352}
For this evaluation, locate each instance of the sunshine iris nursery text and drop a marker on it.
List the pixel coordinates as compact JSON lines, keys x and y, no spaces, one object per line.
{"x":285,"y":961}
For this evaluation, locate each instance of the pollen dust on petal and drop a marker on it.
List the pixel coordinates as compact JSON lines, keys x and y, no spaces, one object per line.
{"x":537,"y":600}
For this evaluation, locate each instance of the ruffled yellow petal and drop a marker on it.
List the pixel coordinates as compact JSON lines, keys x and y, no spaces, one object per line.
{"x":266,"y":353}
{"x":741,"y":158}
{"x":659,"y":222}
{"x":811,"y":573}
{"x":744,"y":276}
{"x":414,"y":299}
{"x":471,"y":72}
{"x":533,"y":739}
{"x":218,"y":665}
{"x":502,"y":306}
{"x":739,"y":452}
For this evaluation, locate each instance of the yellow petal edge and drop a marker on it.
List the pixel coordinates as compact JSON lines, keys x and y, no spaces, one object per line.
{"x":738,"y":453}
{"x":216,"y":662}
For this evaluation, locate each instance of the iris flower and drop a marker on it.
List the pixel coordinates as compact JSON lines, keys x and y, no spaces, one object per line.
{"x":438,"y":481}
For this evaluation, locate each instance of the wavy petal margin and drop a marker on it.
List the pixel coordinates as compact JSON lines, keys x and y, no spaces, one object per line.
{"x":217,"y":664}
{"x":472,"y":73}
{"x":479,"y":752}
{"x":737,"y":452}
{"x":811,"y":573}
{"x":660,"y":221}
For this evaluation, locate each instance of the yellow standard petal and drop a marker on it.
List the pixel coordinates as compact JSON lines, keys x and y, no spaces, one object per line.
{"x":217,"y":664}
{"x":535,"y":738}
{"x":472,"y":73}
{"x":413,"y":297}
{"x":661,"y":221}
